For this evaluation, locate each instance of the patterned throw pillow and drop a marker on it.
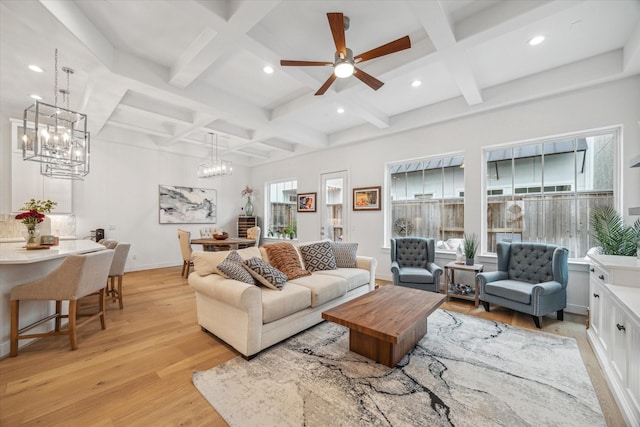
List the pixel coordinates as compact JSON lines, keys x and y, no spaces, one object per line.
{"x":266,"y":274}
{"x":284,"y":257}
{"x":345,"y":254}
{"x":318,"y":256}
{"x":232,"y":268}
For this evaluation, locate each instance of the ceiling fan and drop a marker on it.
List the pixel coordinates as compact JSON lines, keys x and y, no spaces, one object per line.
{"x":344,"y":64}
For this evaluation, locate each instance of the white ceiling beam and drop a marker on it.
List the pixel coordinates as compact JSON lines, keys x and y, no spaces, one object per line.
{"x":436,"y":22}
{"x":70,"y":15}
{"x":179,"y":136}
{"x":209,"y":46}
{"x":631,"y":52}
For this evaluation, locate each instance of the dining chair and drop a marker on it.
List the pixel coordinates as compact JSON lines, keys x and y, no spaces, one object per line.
{"x":76,"y":277}
{"x":254,"y":233}
{"x":108,"y":243}
{"x":185,"y":247}
{"x":121,"y":252}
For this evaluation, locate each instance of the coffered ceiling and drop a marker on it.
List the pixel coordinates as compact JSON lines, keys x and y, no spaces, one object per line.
{"x":164,"y":73}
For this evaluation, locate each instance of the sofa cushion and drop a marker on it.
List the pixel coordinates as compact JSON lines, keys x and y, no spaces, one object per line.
{"x":284,"y":257}
{"x":205,"y":263}
{"x":232,"y":268}
{"x":355,"y":277}
{"x":266,"y":274}
{"x":514,"y":290}
{"x":289,"y":300}
{"x":318,"y":256}
{"x":345,"y":254}
{"x":324,"y":287}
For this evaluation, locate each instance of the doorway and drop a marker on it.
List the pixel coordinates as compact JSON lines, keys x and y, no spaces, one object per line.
{"x":334,"y":203}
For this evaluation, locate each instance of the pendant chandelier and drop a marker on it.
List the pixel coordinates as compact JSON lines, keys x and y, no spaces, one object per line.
{"x":57,"y":137}
{"x":215,"y":167}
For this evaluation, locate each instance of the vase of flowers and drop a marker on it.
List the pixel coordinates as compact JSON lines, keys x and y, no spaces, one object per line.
{"x":32,"y":215}
{"x":248,"y":207}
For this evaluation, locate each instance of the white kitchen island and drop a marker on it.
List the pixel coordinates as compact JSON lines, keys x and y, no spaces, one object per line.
{"x":19,"y":266}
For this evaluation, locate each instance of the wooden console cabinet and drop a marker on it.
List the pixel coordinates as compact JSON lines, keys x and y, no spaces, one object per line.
{"x":614,"y":327}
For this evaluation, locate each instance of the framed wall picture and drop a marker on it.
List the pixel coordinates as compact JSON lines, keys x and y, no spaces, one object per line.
{"x":306,"y":202}
{"x":187,"y":205}
{"x":367,"y":199}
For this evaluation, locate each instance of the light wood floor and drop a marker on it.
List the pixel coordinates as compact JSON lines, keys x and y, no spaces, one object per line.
{"x":138,"y":370}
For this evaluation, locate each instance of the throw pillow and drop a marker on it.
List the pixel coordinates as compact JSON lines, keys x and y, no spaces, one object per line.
{"x":232,"y":268}
{"x":318,"y":256}
{"x":345,"y":254}
{"x":266,"y":274}
{"x":284,"y":257}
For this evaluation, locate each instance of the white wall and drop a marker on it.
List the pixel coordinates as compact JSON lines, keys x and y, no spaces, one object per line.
{"x":122,"y":188}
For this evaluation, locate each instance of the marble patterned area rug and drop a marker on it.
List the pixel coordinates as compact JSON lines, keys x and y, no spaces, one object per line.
{"x":466,"y":371}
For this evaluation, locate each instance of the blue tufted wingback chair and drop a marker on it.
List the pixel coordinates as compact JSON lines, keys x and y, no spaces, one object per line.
{"x":412,"y":263}
{"x":531,"y":278}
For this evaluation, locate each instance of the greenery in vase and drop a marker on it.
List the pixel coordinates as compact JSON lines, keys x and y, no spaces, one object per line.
{"x":611,"y":234}
{"x":470,"y":245}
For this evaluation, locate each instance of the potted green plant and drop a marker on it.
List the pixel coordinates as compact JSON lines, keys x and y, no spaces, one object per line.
{"x":470,"y":243}
{"x":611,"y":234}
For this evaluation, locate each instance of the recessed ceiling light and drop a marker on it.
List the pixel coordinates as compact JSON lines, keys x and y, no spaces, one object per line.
{"x":340,"y":110}
{"x":34,"y":96}
{"x":416,"y":83}
{"x":536,"y":40}
{"x":36,"y":68}
{"x":268,"y":69}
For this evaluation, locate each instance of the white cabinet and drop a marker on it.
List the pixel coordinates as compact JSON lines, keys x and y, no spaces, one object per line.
{"x":27,"y":183}
{"x":614,"y":332}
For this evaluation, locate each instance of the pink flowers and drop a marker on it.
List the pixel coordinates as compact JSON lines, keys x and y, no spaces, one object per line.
{"x":248,"y":191}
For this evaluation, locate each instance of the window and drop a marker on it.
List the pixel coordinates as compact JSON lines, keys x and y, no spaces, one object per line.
{"x":427,"y":197}
{"x":543,"y":192}
{"x":281,"y":211}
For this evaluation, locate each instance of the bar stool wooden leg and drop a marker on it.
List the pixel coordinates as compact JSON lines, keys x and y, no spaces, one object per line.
{"x":58,"y":317}
{"x":120,"y":292}
{"x":15,"y":309}
{"x":101,"y":308}
{"x":73,"y":305}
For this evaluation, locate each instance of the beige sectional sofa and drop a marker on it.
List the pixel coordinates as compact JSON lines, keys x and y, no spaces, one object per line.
{"x":252,"y":317}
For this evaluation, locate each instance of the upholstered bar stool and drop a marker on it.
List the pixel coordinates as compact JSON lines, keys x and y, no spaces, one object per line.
{"x":76,"y":277}
{"x":121,"y":252}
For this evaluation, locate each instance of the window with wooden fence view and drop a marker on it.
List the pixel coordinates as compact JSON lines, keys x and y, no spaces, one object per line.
{"x":544,"y":192}
{"x":282,"y":221}
{"x":427,"y":198}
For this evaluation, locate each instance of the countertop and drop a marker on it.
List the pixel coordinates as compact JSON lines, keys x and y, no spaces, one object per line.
{"x":15,"y":253}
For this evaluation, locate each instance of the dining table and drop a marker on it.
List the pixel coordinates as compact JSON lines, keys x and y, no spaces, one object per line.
{"x":211,"y":244}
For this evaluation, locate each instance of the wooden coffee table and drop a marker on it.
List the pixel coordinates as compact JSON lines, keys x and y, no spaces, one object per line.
{"x":384,"y":325}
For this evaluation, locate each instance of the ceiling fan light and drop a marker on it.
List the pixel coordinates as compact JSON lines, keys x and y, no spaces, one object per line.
{"x":343,"y":69}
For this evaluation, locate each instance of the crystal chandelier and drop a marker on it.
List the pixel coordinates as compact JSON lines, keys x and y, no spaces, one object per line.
{"x":57,"y":137}
{"x":215,"y":167}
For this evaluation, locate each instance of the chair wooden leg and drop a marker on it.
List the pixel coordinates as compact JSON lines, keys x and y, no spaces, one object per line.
{"x":120,"y":292}
{"x":560,"y":314}
{"x":538,"y":321}
{"x":73,"y":305}
{"x":188,"y":267}
{"x":58,"y":317}
{"x":184,"y":267}
{"x":15,"y":310}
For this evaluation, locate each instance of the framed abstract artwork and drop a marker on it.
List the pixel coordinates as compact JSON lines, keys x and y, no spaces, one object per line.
{"x":367,"y":199}
{"x":306,"y":202}
{"x":187,"y":205}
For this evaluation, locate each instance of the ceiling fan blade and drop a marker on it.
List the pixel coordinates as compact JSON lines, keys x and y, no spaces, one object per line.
{"x":391,"y":47}
{"x":326,"y":85}
{"x":286,"y":63}
{"x":368,"y":79}
{"x":336,"y":22}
